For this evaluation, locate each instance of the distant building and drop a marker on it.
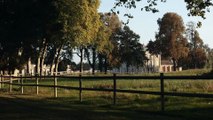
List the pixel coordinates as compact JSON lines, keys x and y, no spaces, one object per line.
{"x":32,"y":70}
{"x":153,"y":64}
{"x":166,"y":66}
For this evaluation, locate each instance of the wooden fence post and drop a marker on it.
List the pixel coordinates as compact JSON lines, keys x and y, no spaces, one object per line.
{"x":22,"y":87}
{"x":10,"y":85}
{"x":37,"y":88}
{"x":114,"y":89}
{"x":80,"y":88}
{"x":1,"y":82}
{"x":55,"y":88}
{"x":162,"y":92}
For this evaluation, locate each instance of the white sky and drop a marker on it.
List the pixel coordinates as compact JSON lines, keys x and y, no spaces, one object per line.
{"x":145,"y":24}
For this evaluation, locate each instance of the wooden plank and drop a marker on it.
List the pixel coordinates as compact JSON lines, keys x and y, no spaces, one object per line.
{"x":1,"y":82}
{"x":55,"y":87}
{"x":80,"y":88}
{"x":114,"y":89}
{"x":37,"y":85}
{"x":22,"y":87}
{"x":162,"y":91}
{"x":11,"y":84}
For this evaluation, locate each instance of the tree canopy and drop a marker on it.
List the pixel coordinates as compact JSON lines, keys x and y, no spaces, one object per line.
{"x":131,"y":52}
{"x":31,"y":27}
{"x":197,"y":54}
{"x":172,"y":44}
{"x":48,"y":30}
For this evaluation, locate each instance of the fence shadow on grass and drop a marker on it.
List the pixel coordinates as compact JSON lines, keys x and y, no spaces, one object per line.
{"x":29,"y":107}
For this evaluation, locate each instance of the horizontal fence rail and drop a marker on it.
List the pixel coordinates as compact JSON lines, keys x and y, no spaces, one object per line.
{"x":119,"y":77}
{"x":9,"y":81}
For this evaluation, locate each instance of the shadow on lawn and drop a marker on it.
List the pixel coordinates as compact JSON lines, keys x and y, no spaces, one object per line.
{"x":18,"y":108}
{"x":210,"y":73}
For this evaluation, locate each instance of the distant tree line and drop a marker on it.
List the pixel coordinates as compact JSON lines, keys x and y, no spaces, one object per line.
{"x":51,"y":31}
{"x":180,"y":44}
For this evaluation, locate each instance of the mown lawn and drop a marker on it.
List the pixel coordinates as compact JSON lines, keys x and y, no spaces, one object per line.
{"x":99,"y":105}
{"x":32,"y":107}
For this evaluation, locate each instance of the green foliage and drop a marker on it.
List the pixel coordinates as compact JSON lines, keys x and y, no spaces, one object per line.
{"x":197,"y":56}
{"x":130,"y":50}
{"x":86,"y":26}
{"x":28,"y":28}
{"x":209,"y":54}
{"x":198,"y":7}
{"x":101,"y":43}
{"x":63,"y":65}
{"x":18,"y":31}
{"x":170,"y":42}
{"x":107,"y":47}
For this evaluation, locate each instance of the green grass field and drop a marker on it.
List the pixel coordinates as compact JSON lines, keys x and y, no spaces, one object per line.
{"x":99,"y":105}
{"x":130,"y":107}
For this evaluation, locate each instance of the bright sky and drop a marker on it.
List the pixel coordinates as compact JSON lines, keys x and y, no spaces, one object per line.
{"x":145,"y":24}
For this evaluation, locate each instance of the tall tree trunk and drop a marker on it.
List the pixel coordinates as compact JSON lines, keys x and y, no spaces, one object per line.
{"x":194,"y":59}
{"x":93,"y":60}
{"x":56,"y":67}
{"x":43,"y":55}
{"x":58,"y":53}
{"x":38,"y":65}
{"x":127,"y":68}
{"x":174,"y":64}
{"x":105,"y":65}
{"x":81,"y":60}
{"x":100,"y":64}
{"x":29,"y":66}
{"x":92,"y":64}
{"x":52,"y":67}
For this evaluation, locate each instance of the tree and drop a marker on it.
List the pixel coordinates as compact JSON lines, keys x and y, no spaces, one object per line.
{"x":18,"y":31}
{"x":63,"y":64}
{"x":131,"y":51}
{"x":62,"y":31}
{"x":170,"y":40}
{"x":100,"y":45}
{"x":87,"y":26}
{"x":209,"y":55}
{"x":197,"y":55}
{"x":110,"y":56}
{"x":197,"y":51}
{"x":49,"y":24}
{"x":104,"y":45}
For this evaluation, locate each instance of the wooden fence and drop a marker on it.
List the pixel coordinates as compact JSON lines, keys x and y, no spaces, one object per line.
{"x":9,"y":80}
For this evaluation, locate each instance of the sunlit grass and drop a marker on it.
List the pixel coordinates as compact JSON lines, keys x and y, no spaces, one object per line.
{"x":99,"y":105}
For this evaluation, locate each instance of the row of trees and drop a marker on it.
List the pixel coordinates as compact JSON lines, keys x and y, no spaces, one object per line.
{"x":182,"y":45}
{"x":37,"y":29}
{"x":47,"y":32}
{"x":115,"y":44}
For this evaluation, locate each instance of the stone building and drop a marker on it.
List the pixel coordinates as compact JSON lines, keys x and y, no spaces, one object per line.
{"x":155,"y":63}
